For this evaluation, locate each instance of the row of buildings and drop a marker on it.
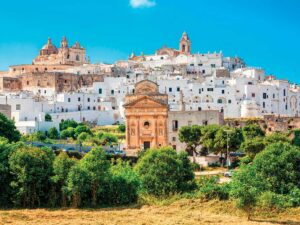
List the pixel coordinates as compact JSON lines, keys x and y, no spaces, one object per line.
{"x":62,"y":82}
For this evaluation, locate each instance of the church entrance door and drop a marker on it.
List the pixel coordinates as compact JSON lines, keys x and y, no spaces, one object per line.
{"x":146,"y":145}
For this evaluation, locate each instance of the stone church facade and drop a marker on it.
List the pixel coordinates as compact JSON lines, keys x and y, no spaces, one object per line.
{"x":150,"y":124}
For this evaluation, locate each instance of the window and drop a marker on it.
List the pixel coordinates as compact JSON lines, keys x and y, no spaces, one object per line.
{"x":264,"y":105}
{"x":283,"y":92}
{"x":220,"y":101}
{"x":88,"y":99}
{"x":264,"y":95}
{"x":146,"y":124}
{"x":199,"y":108}
{"x":170,"y":89}
{"x":229,"y":101}
{"x":175,"y":125}
{"x":88,"y":108}
{"x":253,"y":95}
{"x":204,"y":122}
{"x":178,"y":89}
{"x":18,"y":107}
{"x":203,"y":71}
{"x":213,"y":65}
{"x":27,"y":82}
{"x":223,"y":91}
{"x":273,"y":95}
{"x":200,"y":64}
{"x":173,"y":138}
{"x":77,"y":58}
{"x":192,"y":64}
{"x":112,"y":92}
{"x":210,"y":89}
{"x":94,"y":107}
{"x":79,"y":99}
{"x":199,"y":90}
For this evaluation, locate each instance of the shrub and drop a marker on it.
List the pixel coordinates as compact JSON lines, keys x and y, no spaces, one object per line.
{"x":269,"y":200}
{"x":122,"y":128}
{"x":53,"y":133}
{"x":163,"y":172}
{"x":82,"y":128}
{"x":67,"y":123}
{"x":48,"y":117}
{"x":68,"y":133}
{"x":210,"y":189}
{"x":123,"y":185}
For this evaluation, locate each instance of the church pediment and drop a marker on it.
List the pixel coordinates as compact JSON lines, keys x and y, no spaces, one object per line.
{"x":146,"y":102}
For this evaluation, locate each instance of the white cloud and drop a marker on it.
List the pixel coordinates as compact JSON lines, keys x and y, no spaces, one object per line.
{"x":142,"y":3}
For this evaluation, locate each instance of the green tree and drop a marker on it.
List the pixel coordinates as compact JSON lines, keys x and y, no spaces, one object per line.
{"x":67,"y":123}
{"x":93,"y":173}
{"x":61,"y":168}
{"x":253,"y":146}
{"x":8,"y":129}
{"x":82,"y":128}
{"x":227,"y":137}
{"x":53,"y":133}
{"x":208,"y":137}
{"x":123,"y":185}
{"x":252,"y":131}
{"x":279,"y":165}
{"x":48,"y":117}
{"x":6,"y":150}
{"x":276,"y":137}
{"x":163,"y":172}
{"x":31,"y":168}
{"x":68,"y":133}
{"x":191,"y":136}
{"x":82,"y":137}
{"x":108,"y":139}
{"x":296,"y":139}
{"x":122,"y":128}
{"x":246,"y":187}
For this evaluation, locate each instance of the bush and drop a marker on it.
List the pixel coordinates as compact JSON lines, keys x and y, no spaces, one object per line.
{"x":122,"y":128}
{"x":279,"y":165}
{"x":68,"y":133}
{"x":163,"y":172}
{"x":269,"y":200}
{"x":82,"y":128}
{"x":53,"y":133}
{"x":210,"y":189}
{"x":123,"y":185}
{"x":67,"y":123}
{"x":48,"y":117}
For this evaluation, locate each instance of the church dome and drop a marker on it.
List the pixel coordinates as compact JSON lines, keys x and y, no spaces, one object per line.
{"x":49,"y":48}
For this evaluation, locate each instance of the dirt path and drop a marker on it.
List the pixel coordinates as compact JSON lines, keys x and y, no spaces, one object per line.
{"x":183,"y":212}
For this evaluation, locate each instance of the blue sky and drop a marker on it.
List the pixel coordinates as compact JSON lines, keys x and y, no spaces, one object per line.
{"x":265,"y":33}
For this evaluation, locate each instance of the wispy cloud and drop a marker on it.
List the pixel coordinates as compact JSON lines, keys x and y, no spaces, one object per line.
{"x":142,"y":3}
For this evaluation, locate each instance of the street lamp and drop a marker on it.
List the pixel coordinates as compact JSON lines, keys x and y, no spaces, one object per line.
{"x":227,"y":151}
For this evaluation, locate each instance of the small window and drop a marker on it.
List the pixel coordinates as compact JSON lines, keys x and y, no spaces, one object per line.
{"x":69,"y":99}
{"x":88,"y":99}
{"x":264,"y":105}
{"x":253,"y":95}
{"x":264,"y":95}
{"x":18,"y":107}
{"x":178,"y":89}
{"x":210,"y":89}
{"x":199,"y":90}
{"x":112,"y":92}
{"x":100,"y":91}
{"x":229,"y":101}
{"x":170,"y":89}
{"x":146,"y":124}
{"x":173,"y":138}
{"x":77,"y":58}
{"x":213,"y":65}
{"x":223,"y":91}
{"x":79,"y":99}
{"x":175,"y":125}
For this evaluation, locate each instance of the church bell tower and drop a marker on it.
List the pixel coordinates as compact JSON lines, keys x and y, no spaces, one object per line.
{"x":185,"y":44}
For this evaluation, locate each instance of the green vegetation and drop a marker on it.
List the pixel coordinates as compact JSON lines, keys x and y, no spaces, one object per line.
{"x":8,"y":129}
{"x":266,"y":178}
